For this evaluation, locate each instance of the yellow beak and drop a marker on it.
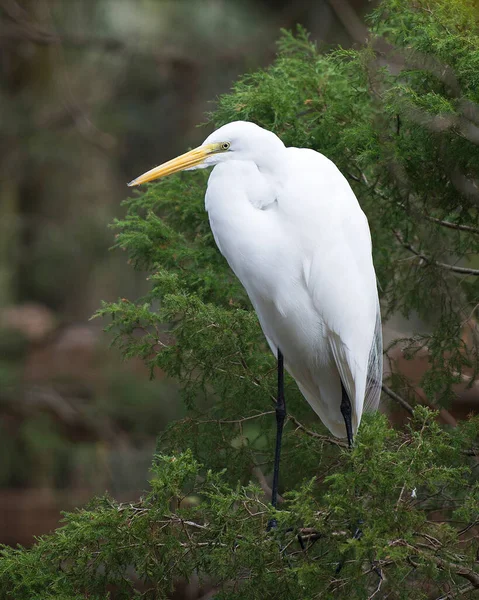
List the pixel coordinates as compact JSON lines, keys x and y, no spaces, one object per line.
{"x":192,"y":158}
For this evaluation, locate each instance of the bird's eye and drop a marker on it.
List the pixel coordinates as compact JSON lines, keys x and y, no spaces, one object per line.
{"x":225,"y":146}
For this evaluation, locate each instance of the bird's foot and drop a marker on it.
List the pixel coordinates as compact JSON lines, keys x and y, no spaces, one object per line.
{"x":272,"y":524}
{"x":358,"y":534}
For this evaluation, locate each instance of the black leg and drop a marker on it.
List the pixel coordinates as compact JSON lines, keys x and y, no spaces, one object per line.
{"x":347,"y":413}
{"x":280,"y":418}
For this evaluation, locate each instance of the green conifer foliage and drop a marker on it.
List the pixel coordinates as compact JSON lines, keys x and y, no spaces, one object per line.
{"x":400,"y":119}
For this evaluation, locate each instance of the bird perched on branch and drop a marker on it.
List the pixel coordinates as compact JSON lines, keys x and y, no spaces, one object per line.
{"x":291,"y":229}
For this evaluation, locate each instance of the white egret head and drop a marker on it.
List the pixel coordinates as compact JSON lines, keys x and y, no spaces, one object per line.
{"x":239,"y":140}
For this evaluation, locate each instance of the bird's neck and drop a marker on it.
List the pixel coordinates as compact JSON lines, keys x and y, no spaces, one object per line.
{"x":272,"y":165}
{"x":236,"y":187}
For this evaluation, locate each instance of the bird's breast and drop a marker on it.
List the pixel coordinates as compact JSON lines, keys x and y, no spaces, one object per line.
{"x":257,"y":240}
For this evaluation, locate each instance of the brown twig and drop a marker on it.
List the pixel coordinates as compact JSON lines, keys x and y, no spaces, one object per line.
{"x":451,"y":225}
{"x":387,"y":390}
{"x":465,"y":589}
{"x":240,"y":420}
{"x":448,"y":267}
{"x":380,"y":582}
{"x":469,"y":574}
{"x":318,"y":436}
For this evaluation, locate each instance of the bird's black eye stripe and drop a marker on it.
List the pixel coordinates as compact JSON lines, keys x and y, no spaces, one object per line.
{"x":225,"y":146}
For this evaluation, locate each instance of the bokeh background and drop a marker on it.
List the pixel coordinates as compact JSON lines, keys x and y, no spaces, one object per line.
{"x":93,"y":93}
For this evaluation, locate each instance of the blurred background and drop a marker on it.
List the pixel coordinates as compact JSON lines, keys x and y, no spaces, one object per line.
{"x":93,"y":93}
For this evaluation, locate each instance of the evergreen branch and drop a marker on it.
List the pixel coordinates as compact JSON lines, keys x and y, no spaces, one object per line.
{"x":380,"y":582}
{"x":420,"y":214}
{"x":445,"y":414}
{"x":430,"y":553}
{"x":469,"y":574}
{"x":387,"y":390}
{"x":468,"y":527}
{"x":430,"y":261}
{"x":442,"y":122}
{"x":241,"y":420}
{"x":318,"y":436}
{"x":457,"y":592}
{"x":451,"y":225}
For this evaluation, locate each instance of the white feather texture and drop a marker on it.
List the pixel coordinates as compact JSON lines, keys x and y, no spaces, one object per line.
{"x":291,"y":228}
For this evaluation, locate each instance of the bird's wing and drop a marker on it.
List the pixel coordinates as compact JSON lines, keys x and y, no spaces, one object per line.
{"x":339,"y":274}
{"x":375,"y":366}
{"x":346,"y":300}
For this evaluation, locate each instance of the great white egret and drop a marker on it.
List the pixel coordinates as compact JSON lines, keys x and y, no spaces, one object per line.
{"x":291,"y":229}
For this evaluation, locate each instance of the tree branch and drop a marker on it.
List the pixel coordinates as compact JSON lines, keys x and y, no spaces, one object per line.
{"x":318,"y":436}
{"x":469,"y":574}
{"x":240,"y":420}
{"x":450,"y":225}
{"x":387,"y":390}
{"x":457,"y":592}
{"x":446,"y":266}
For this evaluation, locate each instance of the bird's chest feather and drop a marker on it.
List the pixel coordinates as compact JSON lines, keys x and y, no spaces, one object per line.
{"x":258,"y":242}
{"x":252,"y":233}
{"x":242,"y":211}
{"x":237,"y":185}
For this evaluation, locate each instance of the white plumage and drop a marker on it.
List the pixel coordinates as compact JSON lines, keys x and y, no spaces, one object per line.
{"x":291,"y":229}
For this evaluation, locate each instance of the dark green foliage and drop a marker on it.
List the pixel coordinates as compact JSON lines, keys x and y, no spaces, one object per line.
{"x":401,"y":125}
{"x":194,"y":522}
